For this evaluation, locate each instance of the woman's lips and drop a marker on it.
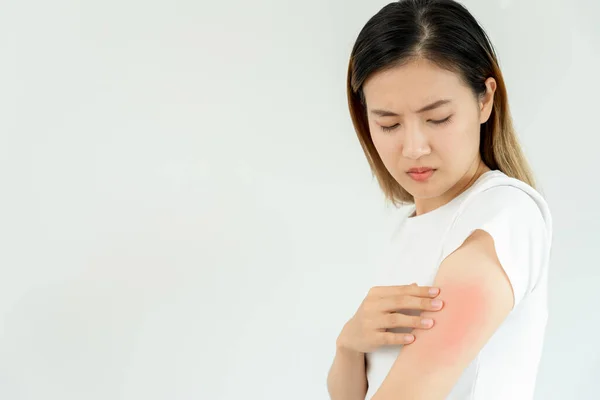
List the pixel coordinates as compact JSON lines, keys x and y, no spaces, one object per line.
{"x":420,"y":175}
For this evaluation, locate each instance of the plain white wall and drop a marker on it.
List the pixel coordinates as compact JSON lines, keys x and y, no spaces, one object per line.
{"x":186,"y":212}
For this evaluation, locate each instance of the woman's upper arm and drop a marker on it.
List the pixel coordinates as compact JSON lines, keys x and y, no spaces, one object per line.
{"x":477,"y":298}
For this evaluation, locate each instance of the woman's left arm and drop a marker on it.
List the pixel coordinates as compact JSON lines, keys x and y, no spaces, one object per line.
{"x":477,"y":297}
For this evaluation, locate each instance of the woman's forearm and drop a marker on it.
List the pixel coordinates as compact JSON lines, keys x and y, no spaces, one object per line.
{"x":347,"y":378}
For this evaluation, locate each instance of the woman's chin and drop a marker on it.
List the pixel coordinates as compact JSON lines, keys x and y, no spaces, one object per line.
{"x":420,"y":191}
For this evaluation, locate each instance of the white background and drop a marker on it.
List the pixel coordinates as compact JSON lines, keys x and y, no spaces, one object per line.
{"x":186,"y":212}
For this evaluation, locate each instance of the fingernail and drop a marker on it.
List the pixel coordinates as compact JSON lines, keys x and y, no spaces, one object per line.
{"x":433,"y":291}
{"x":409,"y":338}
{"x":427,"y":323}
{"x":437,"y":303}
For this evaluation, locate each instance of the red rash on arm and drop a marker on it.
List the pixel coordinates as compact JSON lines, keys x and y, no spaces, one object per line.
{"x":456,"y":327}
{"x":463,"y":312}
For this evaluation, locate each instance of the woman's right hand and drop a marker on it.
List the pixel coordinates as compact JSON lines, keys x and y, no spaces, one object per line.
{"x":379,"y":311}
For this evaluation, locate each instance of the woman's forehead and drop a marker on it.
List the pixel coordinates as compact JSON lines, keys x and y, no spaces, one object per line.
{"x":411,"y":87}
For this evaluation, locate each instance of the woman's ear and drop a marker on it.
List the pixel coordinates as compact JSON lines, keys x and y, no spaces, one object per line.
{"x":487,"y":101}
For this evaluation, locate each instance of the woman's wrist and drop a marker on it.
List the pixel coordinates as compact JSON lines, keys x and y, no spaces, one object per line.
{"x":343,"y":348}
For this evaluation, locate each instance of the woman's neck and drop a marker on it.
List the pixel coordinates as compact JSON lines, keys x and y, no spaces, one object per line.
{"x":423,"y":206}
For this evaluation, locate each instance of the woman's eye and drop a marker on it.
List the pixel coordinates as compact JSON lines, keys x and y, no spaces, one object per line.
{"x":389,"y":128}
{"x":442,"y":121}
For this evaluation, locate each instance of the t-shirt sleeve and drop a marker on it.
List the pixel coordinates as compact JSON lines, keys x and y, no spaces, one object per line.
{"x":515,"y":222}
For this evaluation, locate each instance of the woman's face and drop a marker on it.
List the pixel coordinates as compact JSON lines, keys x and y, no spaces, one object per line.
{"x":422,"y":116}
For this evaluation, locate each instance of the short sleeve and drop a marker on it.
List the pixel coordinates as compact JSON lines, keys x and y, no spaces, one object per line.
{"x":516,"y":223}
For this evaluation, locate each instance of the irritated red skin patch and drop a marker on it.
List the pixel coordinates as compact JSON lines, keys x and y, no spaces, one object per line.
{"x":463,"y":313}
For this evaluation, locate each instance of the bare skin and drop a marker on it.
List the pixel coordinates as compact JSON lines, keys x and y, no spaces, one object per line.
{"x":381,"y":310}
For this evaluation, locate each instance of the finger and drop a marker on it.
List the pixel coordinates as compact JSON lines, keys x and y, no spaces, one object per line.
{"x":402,"y":302}
{"x":391,"y":338}
{"x":420,"y":291}
{"x":412,"y":290}
{"x":399,"y":320}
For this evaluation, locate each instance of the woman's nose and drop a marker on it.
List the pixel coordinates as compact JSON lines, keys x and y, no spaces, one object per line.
{"x":415,"y":145}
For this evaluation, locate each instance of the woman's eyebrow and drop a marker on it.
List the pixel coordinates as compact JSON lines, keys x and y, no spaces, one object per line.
{"x":436,"y":104}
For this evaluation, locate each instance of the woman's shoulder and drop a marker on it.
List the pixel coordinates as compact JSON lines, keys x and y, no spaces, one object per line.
{"x":499,"y":196}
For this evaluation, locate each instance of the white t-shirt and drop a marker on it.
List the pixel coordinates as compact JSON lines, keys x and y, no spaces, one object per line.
{"x":518,"y":219}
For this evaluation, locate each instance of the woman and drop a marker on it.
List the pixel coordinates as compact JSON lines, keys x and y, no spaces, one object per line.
{"x":430,"y":108}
